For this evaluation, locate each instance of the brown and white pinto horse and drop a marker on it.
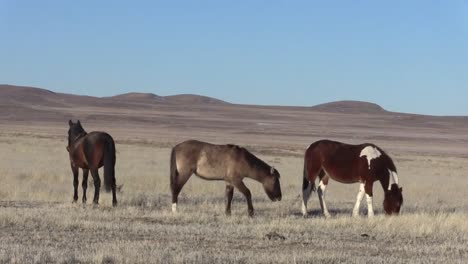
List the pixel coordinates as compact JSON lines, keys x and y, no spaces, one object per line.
{"x":365,"y":163}
{"x":230,"y":163}
{"x":90,"y":152}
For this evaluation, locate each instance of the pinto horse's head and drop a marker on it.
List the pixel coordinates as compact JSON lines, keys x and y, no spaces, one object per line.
{"x":272,"y":186}
{"x":75,"y":131}
{"x":393,"y":200}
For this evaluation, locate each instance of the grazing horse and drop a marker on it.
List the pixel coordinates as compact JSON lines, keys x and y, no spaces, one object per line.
{"x":90,"y":152}
{"x":230,"y":163}
{"x":365,"y":163}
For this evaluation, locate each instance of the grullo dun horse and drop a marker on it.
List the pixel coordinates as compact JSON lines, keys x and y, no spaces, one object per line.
{"x":365,"y":163}
{"x":90,"y":152}
{"x":230,"y":163}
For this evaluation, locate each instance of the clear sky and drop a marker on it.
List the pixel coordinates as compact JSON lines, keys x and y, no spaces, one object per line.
{"x":409,"y":56}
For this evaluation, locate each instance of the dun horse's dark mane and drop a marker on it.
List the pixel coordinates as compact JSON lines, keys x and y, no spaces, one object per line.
{"x":253,"y":161}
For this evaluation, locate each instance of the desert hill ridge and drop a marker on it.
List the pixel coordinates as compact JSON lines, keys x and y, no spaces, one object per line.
{"x":24,"y":95}
{"x":139,"y":116}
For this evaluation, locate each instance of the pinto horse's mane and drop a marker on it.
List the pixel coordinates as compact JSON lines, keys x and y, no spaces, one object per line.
{"x":387,"y":158}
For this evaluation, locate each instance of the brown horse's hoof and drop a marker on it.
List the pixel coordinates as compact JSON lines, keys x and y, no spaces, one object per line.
{"x":227,"y":213}
{"x":114,"y":204}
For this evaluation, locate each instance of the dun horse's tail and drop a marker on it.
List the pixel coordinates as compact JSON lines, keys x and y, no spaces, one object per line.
{"x":174,"y":173}
{"x":109,"y":165}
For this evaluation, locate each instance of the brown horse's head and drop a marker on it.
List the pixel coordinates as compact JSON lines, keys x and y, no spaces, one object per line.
{"x":271,"y":184}
{"x":393,"y":200}
{"x":74,"y":132}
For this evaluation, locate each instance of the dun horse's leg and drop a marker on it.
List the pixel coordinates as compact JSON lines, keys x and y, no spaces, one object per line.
{"x":229,"y":194}
{"x":75,"y":183}
{"x":370,"y":208}
{"x":244,"y":190}
{"x":321,"y":194}
{"x":84,"y":184}
{"x":176,"y":187}
{"x":359,"y":197}
{"x":97,"y":185}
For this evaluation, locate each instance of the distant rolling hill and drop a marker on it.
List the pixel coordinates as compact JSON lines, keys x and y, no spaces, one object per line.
{"x":350,"y":107}
{"x":23,"y":95}
{"x":31,"y":96}
{"x":21,"y":103}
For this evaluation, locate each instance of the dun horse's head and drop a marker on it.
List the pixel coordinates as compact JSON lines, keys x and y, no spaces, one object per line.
{"x":393,"y":200}
{"x":74,"y":132}
{"x":271,"y":184}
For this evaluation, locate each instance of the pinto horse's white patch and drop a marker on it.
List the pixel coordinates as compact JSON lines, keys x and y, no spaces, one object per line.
{"x":174,"y":207}
{"x":370,"y":153}
{"x":392,"y":179}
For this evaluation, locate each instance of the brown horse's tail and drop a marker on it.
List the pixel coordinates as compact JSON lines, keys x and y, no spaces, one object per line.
{"x":174,"y":173}
{"x":109,"y":165}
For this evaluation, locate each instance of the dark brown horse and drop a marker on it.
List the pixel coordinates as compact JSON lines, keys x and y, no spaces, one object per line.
{"x":230,"y":163}
{"x":90,"y":152}
{"x":365,"y":163}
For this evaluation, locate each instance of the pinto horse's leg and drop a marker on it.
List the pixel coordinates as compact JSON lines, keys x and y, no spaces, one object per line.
{"x":321,"y":194}
{"x":97,"y":185}
{"x":359,"y":197}
{"x":248,"y":196}
{"x":307,"y":188}
{"x":84,"y":184}
{"x":229,"y":194}
{"x":75,"y":183}
{"x":368,"y":190}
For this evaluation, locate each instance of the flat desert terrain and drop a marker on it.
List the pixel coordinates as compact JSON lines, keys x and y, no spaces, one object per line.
{"x":40,"y":224}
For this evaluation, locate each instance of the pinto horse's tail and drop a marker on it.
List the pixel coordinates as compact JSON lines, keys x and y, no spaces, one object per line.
{"x":305,"y":179}
{"x":307,"y":186}
{"x":173,"y":170}
{"x":109,"y":165}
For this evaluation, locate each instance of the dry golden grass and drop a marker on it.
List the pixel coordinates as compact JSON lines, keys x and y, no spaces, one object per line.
{"x":39,"y":224}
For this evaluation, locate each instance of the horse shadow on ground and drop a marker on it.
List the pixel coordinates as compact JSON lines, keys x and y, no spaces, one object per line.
{"x":317,"y":213}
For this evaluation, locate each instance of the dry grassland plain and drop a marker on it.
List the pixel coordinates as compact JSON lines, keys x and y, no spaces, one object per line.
{"x":40,"y":224}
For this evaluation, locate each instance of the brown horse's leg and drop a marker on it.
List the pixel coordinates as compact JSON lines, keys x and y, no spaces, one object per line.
{"x":75,"y":183}
{"x":84,"y":184}
{"x":97,"y":185}
{"x":114,"y":195}
{"x":229,"y":194}
{"x":368,"y":190}
{"x":176,"y":187}
{"x":244,"y":190}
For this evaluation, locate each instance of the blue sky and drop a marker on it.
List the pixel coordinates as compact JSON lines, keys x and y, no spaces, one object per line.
{"x":409,"y":56}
